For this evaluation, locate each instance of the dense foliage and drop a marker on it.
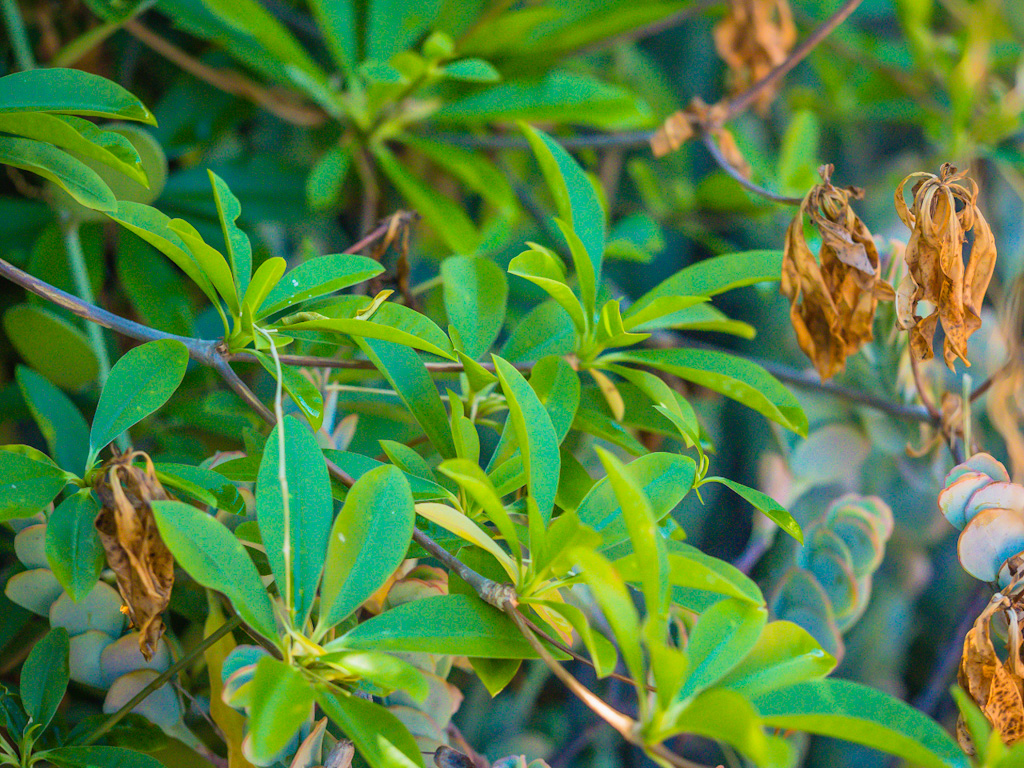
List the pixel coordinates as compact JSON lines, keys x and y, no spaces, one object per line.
{"x":395,"y":382}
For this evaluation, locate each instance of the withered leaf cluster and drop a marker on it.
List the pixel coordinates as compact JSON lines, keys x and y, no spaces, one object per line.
{"x":943,"y":211}
{"x":832,"y":303}
{"x":698,"y":118}
{"x":753,"y":38}
{"x":135,"y":552}
{"x":993,"y":684}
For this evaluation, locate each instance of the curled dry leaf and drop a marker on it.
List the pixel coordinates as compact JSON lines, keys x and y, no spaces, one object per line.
{"x":754,"y":37}
{"x":696,"y":119}
{"x":1005,"y":401}
{"x":832,"y":303}
{"x":135,"y":551}
{"x":993,"y":684}
{"x":935,"y":263}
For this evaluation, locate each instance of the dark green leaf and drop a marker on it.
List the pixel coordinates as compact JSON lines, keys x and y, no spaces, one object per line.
{"x":30,"y":482}
{"x":475,"y":295}
{"x":44,"y":678}
{"x":379,"y":736}
{"x":765,"y":504}
{"x":73,"y":548}
{"x":60,"y":421}
{"x":66,"y":359}
{"x":69,"y":92}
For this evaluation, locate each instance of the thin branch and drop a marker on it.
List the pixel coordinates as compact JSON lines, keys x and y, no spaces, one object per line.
{"x":230,"y":81}
{"x":233,"y":623}
{"x":742,"y":101}
{"x":729,"y":168}
{"x":491,"y":592}
{"x":404,"y":217}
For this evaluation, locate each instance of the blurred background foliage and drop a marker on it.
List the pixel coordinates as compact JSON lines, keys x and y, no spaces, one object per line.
{"x":323,"y":125}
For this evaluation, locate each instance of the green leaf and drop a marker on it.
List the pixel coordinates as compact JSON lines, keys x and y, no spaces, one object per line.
{"x":472,"y":70}
{"x":155,"y":228}
{"x":216,"y":559}
{"x":368,"y":542}
{"x":455,"y":625}
{"x":382,"y":670}
{"x":478,"y":486}
{"x":446,"y":217}
{"x":73,"y":548}
{"x":282,"y":699}
{"x":337,"y":20}
{"x":60,"y":421}
{"x":692,"y":569}
{"x":419,"y":332}
{"x":29,"y":485}
{"x":727,"y":716}
{"x":648,"y":543}
{"x":70,"y":92}
{"x":44,"y":678}
{"x":379,"y":736}
{"x":394,"y":25}
{"x":538,"y":443}
{"x":239,"y":250}
{"x":306,"y":395}
{"x":854,"y":712}
{"x":408,"y":376}
{"x":784,"y":654}
{"x":66,"y":359}
{"x":764,"y":504}
{"x":138,"y":384}
{"x":798,"y":155}
{"x":576,"y":201}
{"x":327,"y":178}
{"x":296,"y":538}
{"x":102,"y":757}
{"x":546,"y":330}
{"x":205,"y":485}
{"x":541,"y":267}
{"x":211,"y":261}
{"x":318,"y":277}
{"x":736,"y":378}
{"x":723,"y":635}
{"x":75,"y":177}
{"x":79,"y":137}
{"x":713,"y":276}
{"x":665,"y":479}
{"x":263,"y":282}
{"x":475,"y":296}
{"x":357,"y":465}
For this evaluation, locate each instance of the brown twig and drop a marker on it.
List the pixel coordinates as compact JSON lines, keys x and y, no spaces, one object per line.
{"x":230,"y":81}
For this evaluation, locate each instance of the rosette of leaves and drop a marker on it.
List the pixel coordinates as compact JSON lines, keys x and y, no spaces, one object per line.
{"x":394,"y":69}
{"x":829,"y":587}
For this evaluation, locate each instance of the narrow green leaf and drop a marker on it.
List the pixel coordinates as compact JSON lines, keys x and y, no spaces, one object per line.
{"x":44,"y":678}
{"x":239,"y":250}
{"x":692,"y":569}
{"x":337,"y":20}
{"x":282,"y":699}
{"x":216,"y":559}
{"x":723,"y":635}
{"x":379,"y":736}
{"x":394,"y":25}
{"x":263,"y":282}
{"x":764,"y":504}
{"x":472,"y":70}
{"x":475,"y":296}
{"x":318,"y":277}
{"x":72,"y":175}
{"x":306,"y":395}
{"x":138,"y":384}
{"x":538,"y":443}
{"x":296,"y":538}
{"x":455,"y":625}
{"x":541,"y":267}
{"x":368,"y":542}
{"x":70,"y":92}
{"x":854,"y":712}
{"x":575,"y":197}
{"x":408,"y":376}
{"x":73,"y":548}
{"x":736,"y":378}
{"x":211,"y":261}
{"x":784,"y":654}
{"x":60,"y":421}
{"x":219,"y":492}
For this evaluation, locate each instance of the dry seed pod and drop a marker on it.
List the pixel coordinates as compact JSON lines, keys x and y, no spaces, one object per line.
{"x":832,"y":303}
{"x":935,"y":263}
{"x":754,"y":37}
{"x":135,"y":551}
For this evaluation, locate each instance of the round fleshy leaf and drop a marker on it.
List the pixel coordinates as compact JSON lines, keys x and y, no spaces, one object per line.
{"x":161,"y":707}
{"x":84,"y":657}
{"x":800,"y":599}
{"x":100,"y":609}
{"x":954,"y":497}
{"x":871,"y":508}
{"x":988,"y":540}
{"x":34,"y":590}
{"x":124,"y":656}
{"x":995,"y":496}
{"x":980,"y":462}
{"x":863,"y":542}
{"x":30,"y":546}
{"x":827,"y":557}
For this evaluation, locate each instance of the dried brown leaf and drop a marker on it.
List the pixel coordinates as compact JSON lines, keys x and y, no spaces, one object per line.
{"x":135,"y":551}
{"x":832,"y":298}
{"x":754,"y":37}
{"x":993,"y":684}
{"x":700,"y":118}
{"x":934,"y":257}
